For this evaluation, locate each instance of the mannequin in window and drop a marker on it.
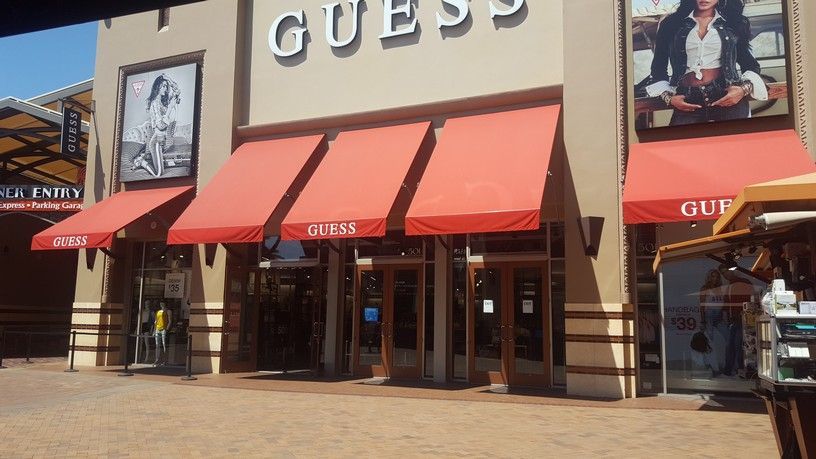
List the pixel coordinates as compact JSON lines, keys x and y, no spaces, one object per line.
{"x":712,"y":299}
{"x":147,"y":317}
{"x":161,"y":325}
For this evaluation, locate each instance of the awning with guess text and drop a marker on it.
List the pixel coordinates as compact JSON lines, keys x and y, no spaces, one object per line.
{"x":486,"y":174}
{"x":236,"y":205}
{"x":697,"y":179}
{"x":355,"y":186}
{"x":95,"y":227}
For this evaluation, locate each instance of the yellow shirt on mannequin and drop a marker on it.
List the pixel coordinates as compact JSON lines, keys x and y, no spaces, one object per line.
{"x":161,"y":320}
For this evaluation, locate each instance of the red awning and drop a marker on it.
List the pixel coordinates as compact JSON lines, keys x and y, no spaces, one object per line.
{"x":235,"y":206}
{"x":94,"y":227}
{"x":486,"y":174}
{"x":352,"y":191}
{"x":697,"y":179}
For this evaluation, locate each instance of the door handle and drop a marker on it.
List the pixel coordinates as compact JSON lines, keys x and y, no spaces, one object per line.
{"x":507,"y":335}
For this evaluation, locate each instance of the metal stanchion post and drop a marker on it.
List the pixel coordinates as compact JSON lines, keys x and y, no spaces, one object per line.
{"x":124,"y":347}
{"x":189,"y":376}
{"x":28,"y":347}
{"x":2,"y":345}
{"x":73,"y":351}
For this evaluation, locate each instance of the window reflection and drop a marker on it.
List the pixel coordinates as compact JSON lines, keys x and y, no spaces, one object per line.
{"x":520,"y":241}
{"x":275,"y":249}
{"x":710,"y":340}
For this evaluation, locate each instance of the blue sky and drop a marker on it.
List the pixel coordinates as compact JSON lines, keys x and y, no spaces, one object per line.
{"x":39,"y":62}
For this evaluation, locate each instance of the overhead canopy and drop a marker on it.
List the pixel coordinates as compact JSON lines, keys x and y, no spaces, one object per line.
{"x":486,"y":174}
{"x":30,"y":133}
{"x":355,"y":186}
{"x":236,"y":205}
{"x":697,"y":179}
{"x":720,"y":243}
{"x":789,"y":194}
{"x":95,"y":227}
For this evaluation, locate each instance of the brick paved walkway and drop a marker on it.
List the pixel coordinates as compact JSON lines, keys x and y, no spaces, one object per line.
{"x":44,"y":412}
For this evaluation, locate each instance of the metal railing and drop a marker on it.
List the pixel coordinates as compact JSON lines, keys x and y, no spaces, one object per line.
{"x":4,"y":333}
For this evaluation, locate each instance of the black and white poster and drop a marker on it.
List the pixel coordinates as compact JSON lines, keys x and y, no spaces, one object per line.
{"x":158,"y":123}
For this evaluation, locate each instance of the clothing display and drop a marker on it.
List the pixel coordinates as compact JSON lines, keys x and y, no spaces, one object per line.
{"x":161,"y":320}
{"x":675,"y":37}
{"x":648,"y":323}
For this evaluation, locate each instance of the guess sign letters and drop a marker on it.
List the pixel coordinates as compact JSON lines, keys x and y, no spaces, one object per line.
{"x":295,"y":21}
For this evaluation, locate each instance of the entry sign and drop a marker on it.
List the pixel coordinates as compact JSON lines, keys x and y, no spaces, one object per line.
{"x":174,"y":285}
{"x":71,"y":132}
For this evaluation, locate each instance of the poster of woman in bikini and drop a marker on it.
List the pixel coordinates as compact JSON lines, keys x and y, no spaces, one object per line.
{"x":158,"y":124}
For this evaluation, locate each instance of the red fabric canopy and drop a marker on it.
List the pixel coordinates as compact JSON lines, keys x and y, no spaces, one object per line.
{"x":236,"y":204}
{"x":486,"y":174}
{"x":94,"y":227}
{"x":697,"y":179}
{"x":356,"y":184}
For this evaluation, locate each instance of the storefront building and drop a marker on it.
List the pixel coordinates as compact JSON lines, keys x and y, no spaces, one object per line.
{"x":39,"y":186}
{"x":454,"y":190}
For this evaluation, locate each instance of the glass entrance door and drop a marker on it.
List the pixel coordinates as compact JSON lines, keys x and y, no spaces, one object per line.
{"x":239,"y":339}
{"x":389,"y":312}
{"x":509,"y":324}
{"x":291,"y":328}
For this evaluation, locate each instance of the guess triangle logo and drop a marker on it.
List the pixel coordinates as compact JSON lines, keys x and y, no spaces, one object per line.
{"x":656,"y":2}
{"x":138,"y":85}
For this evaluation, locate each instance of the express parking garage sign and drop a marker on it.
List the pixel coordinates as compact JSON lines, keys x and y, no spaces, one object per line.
{"x":40,"y":198}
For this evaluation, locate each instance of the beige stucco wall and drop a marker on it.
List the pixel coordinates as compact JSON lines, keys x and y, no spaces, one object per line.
{"x":599,"y":351}
{"x":478,"y":57}
{"x":212,"y":27}
{"x":590,"y":135}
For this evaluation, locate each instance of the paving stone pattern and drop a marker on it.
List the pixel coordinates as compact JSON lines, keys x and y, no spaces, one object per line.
{"x":47,"y":413}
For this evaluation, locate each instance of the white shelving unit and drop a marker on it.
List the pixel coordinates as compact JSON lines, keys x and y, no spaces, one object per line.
{"x":775,"y":343}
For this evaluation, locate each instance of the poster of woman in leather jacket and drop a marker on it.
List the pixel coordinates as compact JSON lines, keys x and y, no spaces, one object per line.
{"x":703,"y":61}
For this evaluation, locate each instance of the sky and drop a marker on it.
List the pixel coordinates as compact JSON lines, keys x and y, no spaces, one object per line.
{"x":40,"y":62}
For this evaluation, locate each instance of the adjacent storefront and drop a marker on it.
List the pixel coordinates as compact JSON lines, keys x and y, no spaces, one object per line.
{"x":451,"y":191}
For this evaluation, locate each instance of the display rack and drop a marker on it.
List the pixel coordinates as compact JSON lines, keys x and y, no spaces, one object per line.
{"x":787,"y":349}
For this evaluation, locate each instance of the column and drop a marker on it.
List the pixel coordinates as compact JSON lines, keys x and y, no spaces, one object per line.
{"x":98,"y":308}
{"x":334,"y":299}
{"x":207,"y":308}
{"x":599,"y":316}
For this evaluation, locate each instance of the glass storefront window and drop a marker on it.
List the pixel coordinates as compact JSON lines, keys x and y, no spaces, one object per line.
{"x":158,"y":255}
{"x":372,"y":304}
{"x":558,"y":295}
{"x":348,"y":317}
{"x":160,"y":282}
{"x":275,"y":249}
{"x":513,"y":242}
{"x":394,"y":244}
{"x":708,"y":338}
{"x":429,"y":320}
{"x":459,"y":305}
{"x":291,"y":313}
{"x":557,"y":240}
{"x":648,"y":311}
